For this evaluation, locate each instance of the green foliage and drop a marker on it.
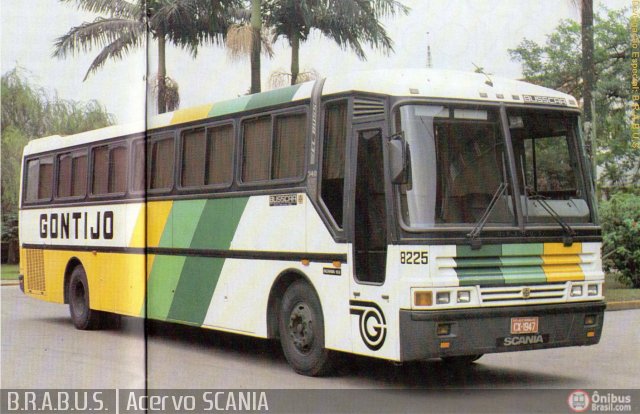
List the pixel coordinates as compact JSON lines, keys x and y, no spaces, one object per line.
{"x":557,"y":65}
{"x":620,"y":218}
{"x":28,"y":112}
{"x":123,"y":26}
{"x":349,"y":23}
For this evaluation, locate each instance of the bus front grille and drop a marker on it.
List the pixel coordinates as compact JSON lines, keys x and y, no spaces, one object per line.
{"x":517,"y":295}
{"x":34,"y":278}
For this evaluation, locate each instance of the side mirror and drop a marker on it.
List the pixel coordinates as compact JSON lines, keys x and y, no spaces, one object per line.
{"x":399,"y":159}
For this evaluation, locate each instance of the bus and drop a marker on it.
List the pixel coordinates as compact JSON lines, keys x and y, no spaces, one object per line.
{"x":397,"y":214}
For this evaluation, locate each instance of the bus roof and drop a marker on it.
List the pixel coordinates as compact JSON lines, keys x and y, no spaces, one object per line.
{"x":446,"y":84}
{"x":413,"y":83}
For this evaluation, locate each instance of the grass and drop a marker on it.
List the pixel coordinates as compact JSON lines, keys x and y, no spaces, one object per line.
{"x":615,"y":291}
{"x":10,"y":272}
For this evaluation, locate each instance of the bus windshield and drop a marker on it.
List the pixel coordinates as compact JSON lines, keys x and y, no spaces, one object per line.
{"x":547,"y":161}
{"x":459,"y":164}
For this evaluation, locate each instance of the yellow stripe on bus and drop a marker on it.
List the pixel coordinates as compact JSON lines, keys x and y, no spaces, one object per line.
{"x":122,"y":282}
{"x":157,"y":214}
{"x":191,"y":114}
{"x":139,"y":237}
{"x":560,"y":248}
{"x":570,"y":259}
{"x":563,"y":273}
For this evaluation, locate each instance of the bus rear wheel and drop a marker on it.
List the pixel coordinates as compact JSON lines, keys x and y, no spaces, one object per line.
{"x":301,"y":328}
{"x":82,"y":315}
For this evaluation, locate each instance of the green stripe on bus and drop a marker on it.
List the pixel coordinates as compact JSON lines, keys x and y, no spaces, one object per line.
{"x":162,"y":284}
{"x":218,"y":223}
{"x":487,"y":250}
{"x":521,"y":261}
{"x":523,"y":275}
{"x":464,"y":262}
{"x":523,"y":249}
{"x":195,"y":289}
{"x":185,"y":216}
{"x":166,"y":239}
{"x":488,"y":276}
{"x":495,"y":265}
{"x":230,"y":106}
{"x":274,"y":97}
{"x":216,"y":227}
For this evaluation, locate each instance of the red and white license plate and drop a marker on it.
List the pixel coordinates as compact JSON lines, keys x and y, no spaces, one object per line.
{"x":524,"y":325}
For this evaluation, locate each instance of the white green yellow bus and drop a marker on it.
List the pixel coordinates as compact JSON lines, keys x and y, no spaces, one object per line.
{"x":401,"y":214}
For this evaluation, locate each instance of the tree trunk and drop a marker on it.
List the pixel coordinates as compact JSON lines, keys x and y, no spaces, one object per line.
{"x":588,"y":77}
{"x":256,"y":28}
{"x":162,"y":75}
{"x":13,"y":252}
{"x":295,"y":58}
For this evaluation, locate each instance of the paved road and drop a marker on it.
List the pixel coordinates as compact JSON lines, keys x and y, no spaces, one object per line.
{"x":41,"y":349}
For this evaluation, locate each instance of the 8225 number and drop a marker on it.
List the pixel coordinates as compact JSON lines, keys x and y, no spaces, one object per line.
{"x":414,"y":258}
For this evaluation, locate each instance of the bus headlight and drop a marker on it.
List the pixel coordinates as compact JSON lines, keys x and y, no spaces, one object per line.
{"x":576,"y":290}
{"x":423,"y":298}
{"x":442,"y":298}
{"x":464,"y":296}
{"x":592,"y":290}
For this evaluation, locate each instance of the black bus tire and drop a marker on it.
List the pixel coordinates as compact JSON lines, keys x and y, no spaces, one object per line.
{"x":302,"y":331}
{"x":462,"y":360}
{"x":83,"y":317}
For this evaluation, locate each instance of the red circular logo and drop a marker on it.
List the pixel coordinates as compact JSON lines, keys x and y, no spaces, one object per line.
{"x":579,"y":401}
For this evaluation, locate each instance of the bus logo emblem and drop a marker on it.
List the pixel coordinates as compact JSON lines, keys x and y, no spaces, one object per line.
{"x":526,"y":293}
{"x":578,"y":401}
{"x":371,"y":321}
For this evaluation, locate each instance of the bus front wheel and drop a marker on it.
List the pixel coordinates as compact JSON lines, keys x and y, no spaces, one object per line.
{"x":82,"y":315}
{"x":462,"y":360}
{"x":302,"y":331}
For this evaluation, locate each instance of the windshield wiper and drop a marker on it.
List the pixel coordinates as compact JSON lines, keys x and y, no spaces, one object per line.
{"x":477,"y":229}
{"x":569,"y":233}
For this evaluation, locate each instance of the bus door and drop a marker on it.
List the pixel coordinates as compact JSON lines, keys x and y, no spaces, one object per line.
{"x":369,"y":300}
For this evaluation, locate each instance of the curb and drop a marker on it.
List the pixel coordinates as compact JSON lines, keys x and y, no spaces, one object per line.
{"x":617,"y":306}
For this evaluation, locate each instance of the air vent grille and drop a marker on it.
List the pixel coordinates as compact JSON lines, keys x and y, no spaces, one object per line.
{"x":367,"y":107}
{"x":34,"y":277}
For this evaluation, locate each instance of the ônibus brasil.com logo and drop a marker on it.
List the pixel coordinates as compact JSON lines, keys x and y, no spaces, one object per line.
{"x":578,"y":401}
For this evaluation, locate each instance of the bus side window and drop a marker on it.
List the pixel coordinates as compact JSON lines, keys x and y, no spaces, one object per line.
{"x":33,"y":173}
{"x":39,"y":179}
{"x":289,"y":146}
{"x":109,"y":169}
{"x":219,"y":167}
{"x":72,"y":174}
{"x":137,"y":184}
{"x":160,"y":164}
{"x":194,"y":153}
{"x":333,"y":158}
{"x":256,"y":146}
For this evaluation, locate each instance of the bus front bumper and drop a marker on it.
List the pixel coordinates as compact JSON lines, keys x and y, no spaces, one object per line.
{"x":488,"y":330}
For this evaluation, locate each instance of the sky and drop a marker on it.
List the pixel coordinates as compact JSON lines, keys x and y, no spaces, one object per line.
{"x":461,"y":33}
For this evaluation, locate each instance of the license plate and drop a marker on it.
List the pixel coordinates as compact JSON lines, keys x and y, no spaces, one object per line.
{"x":524,"y":325}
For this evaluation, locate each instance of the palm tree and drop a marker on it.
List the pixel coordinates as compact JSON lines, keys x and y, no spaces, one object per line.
{"x":256,"y":32}
{"x":185,"y":23}
{"x":588,"y":75}
{"x":248,"y":37}
{"x":280,"y":78}
{"x":349,"y":23}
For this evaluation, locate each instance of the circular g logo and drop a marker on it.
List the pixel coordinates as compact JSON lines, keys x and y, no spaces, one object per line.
{"x":373,"y":326}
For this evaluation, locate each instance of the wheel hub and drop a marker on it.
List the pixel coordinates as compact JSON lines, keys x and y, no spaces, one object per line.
{"x":301,"y":327}
{"x":78,"y":298}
